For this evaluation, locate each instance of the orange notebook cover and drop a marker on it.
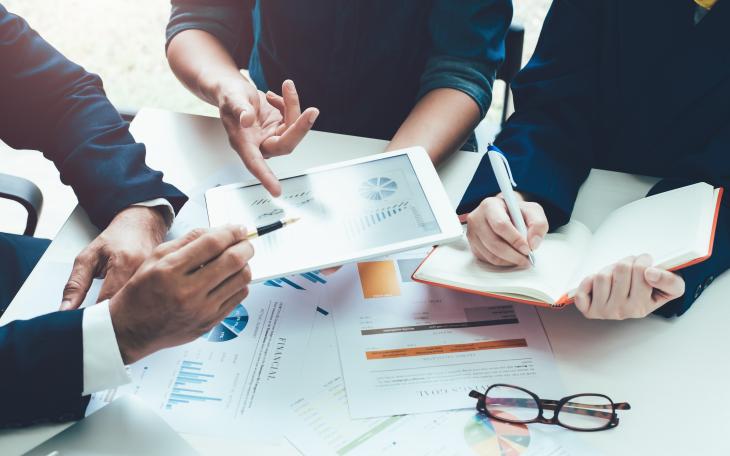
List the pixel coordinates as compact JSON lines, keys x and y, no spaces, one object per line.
{"x":565,"y":299}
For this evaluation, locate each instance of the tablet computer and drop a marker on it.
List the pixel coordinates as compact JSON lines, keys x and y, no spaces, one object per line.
{"x":348,"y":211}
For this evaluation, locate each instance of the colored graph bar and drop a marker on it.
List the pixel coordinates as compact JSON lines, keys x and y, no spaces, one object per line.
{"x":378,"y":279}
{"x":194,"y":374}
{"x":463,"y":324}
{"x":291,"y":284}
{"x":193,"y":397}
{"x":446,"y":349}
{"x":190,"y":380}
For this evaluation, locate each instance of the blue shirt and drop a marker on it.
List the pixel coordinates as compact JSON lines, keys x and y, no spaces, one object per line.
{"x":363,"y":63}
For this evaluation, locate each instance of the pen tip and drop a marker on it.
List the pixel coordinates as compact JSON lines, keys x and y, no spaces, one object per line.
{"x":292,"y":220}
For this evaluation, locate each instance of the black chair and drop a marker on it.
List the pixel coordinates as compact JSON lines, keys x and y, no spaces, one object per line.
{"x":27,"y":194}
{"x":513,"y":46}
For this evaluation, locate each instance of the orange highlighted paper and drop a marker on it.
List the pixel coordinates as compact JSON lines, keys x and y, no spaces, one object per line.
{"x":445,"y":349}
{"x":379,"y":279}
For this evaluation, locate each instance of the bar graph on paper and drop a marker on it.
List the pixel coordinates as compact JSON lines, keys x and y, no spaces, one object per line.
{"x":191,"y":385}
{"x":299,"y":282}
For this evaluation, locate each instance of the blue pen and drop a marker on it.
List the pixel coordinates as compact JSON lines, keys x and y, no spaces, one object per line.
{"x":506,"y":182}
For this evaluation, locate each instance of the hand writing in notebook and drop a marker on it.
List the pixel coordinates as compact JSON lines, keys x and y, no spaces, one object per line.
{"x":493,"y":237}
{"x":630,"y":288}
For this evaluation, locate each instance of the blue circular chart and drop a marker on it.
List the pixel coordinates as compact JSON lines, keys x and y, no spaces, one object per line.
{"x":378,"y":188}
{"x":230,"y":327}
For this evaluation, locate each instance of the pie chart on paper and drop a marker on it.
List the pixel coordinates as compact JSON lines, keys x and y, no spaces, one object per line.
{"x":230,"y":327}
{"x":494,"y":438}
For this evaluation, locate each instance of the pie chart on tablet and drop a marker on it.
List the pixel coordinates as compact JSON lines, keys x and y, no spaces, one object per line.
{"x":230,"y":327}
{"x":378,"y":188}
{"x":494,"y":438}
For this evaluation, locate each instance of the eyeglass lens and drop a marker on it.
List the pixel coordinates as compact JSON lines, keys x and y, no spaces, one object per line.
{"x":586,"y":412}
{"x":511,"y":404}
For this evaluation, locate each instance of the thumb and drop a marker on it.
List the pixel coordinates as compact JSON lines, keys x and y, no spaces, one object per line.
{"x":247,"y":115}
{"x":80,"y":280}
{"x":668,"y":285}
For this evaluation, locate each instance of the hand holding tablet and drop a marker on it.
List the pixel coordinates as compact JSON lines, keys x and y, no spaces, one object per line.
{"x":348,"y":211}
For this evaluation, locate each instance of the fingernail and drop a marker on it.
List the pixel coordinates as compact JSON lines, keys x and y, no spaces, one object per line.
{"x":313,"y":116}
{"x":535,"y":242}
{"x":652,"y":275}
{"x":243,"y":231}
{"x":524,"y":249}
{"x":289,"y":84}
{"x":66,"y":304}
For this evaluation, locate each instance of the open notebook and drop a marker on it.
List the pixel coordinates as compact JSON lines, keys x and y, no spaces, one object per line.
{"x":676,"y":228}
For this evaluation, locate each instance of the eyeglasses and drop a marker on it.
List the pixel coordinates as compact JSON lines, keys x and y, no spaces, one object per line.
{"x":580,"y":412}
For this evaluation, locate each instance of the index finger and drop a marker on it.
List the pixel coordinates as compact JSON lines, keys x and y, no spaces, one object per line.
{"x":207,"y":247}
{"x":256,"y":164}
{"x":503,"y":227}
{"x":536,"y":221}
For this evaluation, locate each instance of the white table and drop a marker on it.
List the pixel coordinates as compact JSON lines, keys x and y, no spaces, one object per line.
{"x":673,"y":372}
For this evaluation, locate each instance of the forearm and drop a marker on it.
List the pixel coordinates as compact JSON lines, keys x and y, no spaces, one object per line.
{"x":42,"y":363}
{"x":440,"y":122}
{"x":202,"y":63}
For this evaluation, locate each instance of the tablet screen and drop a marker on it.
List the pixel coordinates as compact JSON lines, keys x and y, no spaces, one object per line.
{"x":342,"y":210}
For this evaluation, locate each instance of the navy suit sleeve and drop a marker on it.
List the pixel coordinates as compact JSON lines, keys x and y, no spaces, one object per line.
{"x":548,"y":140}
{"x":467,"y":47}
{"x":42,"y":370}
{"x":53,"y":105}
{"x":713,"y":164}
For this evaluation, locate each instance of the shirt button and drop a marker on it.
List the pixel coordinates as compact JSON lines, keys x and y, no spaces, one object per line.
{"x":698,"y":291}
{"x":709,"y":280}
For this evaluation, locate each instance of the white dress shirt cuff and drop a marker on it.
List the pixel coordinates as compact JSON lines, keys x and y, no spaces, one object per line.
{"x":168,"y":211}
{"x":103,"y":365}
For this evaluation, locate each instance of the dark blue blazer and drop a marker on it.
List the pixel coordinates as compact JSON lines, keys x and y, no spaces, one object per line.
{"x":626,"y":86}
{"x":51,"y":104}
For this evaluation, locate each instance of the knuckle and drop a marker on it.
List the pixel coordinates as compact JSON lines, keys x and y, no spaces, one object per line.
{"x":236,"y":259}
{"x":72,"y":286}
{"x":622,"y":268}
{"x":501,"y":226}
{"x":603,"y":278}
{"x":196,"y":233}
{"x":247,"y":274}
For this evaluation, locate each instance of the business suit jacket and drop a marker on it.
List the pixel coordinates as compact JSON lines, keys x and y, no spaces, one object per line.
{"x":51,"y":104}
{"x":626,"y":86}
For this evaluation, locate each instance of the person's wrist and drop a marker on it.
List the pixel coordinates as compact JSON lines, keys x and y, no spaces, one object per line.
{"x":128,"y":343}
{"x":215,"y":86}
{"x":149,"y":219}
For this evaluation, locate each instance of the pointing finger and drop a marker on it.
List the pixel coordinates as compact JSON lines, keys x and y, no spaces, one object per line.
{"x":256,"y":164}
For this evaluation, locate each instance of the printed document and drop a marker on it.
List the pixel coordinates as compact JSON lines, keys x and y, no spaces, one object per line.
{"x":406,"y":347}
{"x":233,"y":379}
{"x":319,"y":422}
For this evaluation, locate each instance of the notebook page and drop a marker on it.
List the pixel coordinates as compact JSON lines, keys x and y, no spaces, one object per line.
{"x":555,"y":262}
{"x":669,"y":226}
